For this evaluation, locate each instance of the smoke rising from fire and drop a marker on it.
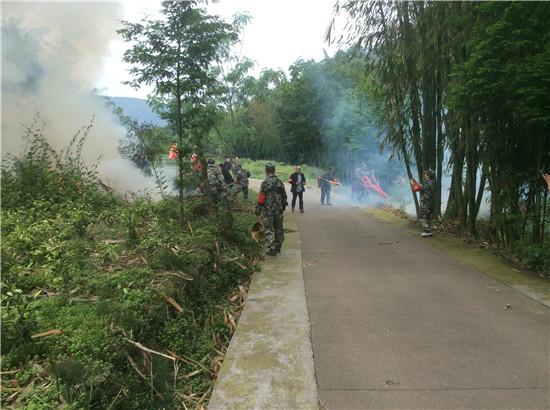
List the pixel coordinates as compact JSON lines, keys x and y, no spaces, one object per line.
{"x":51,"y":56}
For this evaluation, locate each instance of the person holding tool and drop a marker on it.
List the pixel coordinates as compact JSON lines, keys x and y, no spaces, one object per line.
{"x":427,"y":200}
{"x":325,"y":182}
{"x":272,"y":202}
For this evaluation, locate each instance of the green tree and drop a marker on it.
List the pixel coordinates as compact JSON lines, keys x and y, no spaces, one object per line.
{"x":176,"y":55}
{"x":300,"y":111}
{"x":465,"y":83}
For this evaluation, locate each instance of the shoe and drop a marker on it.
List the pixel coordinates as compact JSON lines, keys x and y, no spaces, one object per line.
{"x":292,"y":209}
{"x":425,"y":234}
{"x":272,"y":252}
{"x":301,"y":211}
{"x":329,"y":204}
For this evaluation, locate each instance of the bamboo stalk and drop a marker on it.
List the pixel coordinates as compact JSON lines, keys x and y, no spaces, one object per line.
{"x":146,"y":349}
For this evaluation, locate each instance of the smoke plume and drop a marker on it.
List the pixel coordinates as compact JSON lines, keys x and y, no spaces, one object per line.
{"x":51,"y":56}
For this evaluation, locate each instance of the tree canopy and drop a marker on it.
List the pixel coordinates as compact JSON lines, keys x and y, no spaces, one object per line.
{"x":465,"y":86}
{"x":177,"y":54}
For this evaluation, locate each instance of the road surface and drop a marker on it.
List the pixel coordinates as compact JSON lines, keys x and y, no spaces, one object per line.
{"x":399,"y":324}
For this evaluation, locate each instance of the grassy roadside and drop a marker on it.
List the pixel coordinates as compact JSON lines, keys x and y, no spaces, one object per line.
{"x":108,"y":303}
{"x":526,"y":282}
{"x":257,"y":170}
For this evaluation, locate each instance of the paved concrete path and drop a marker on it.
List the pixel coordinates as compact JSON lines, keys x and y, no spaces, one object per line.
{"x":398,"y":324}
{"x":269,"y":363}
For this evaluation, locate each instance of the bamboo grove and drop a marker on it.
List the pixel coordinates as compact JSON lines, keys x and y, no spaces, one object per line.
{"x":464,"y":88}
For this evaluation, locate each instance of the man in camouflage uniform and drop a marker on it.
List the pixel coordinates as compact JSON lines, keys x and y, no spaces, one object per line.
{"x":242,"y":176}
{"x":236,"y":161}
{"x":427,"y":200}
{"x":271,"y":204}
{"x":216,"y":182}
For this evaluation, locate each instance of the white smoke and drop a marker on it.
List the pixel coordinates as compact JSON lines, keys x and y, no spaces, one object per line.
{"x":51,"y":56}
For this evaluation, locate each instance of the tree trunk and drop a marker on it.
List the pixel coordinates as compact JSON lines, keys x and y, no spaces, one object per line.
{"x":544,"y":214}
{"x":180,"y":187}
{"x":471,"y":179}
{"x":480,"y":192}
{"x":407,"y":162}
{"x":538,"y":199}
{"x":159,"y":181}
{"x":204,"y":184}
{"x":440,"y":155}
{"x":180,"y":137}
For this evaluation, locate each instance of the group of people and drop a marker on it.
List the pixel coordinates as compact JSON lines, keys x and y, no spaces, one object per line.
{"x":297,"y":183}
{"x":359,"y":191}
{"x":272,"y":202}
{"x":222,"y":182}
{"x":272,"y":198}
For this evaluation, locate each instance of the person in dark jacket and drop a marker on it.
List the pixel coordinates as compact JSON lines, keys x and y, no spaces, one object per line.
{"x":427,"y":200}
{"x":226,"y":172}
{"x":297,"y":183}
{"x":325,"y":182}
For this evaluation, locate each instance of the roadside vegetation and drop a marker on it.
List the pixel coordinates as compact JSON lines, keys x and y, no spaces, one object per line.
{"x":129,"y":303}
{"x":109,"y":303}
{"x":284,"y":170}
{"x":463,"y":86}
{"x":456,"y":87}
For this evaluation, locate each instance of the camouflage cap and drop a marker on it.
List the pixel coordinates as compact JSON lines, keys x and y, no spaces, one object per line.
{"x":430,"y":173}
{"x":211,"y":161}
{"x":270,"y":167}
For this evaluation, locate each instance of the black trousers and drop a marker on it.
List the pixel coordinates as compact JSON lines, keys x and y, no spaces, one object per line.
{"x":298,"y":195}
{"x":325,"y":193}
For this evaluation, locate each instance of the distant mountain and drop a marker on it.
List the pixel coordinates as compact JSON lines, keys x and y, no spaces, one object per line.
{"x":138,"y":109}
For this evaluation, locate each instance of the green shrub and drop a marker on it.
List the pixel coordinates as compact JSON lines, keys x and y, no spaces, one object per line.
{"x":535,"y":256}
{"x":98,"y":271}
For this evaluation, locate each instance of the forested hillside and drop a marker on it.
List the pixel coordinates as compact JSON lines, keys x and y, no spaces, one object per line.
{"x":138,"y":110}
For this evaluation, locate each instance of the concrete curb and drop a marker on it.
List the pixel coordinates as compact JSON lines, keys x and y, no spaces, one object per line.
{"x":269,"y":363}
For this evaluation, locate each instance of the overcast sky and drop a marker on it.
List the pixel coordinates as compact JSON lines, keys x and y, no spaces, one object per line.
{"x":280,"y":32}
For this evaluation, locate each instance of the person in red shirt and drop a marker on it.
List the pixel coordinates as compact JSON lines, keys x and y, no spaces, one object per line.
{"x":196,"y":163}
{"x":173,"y":154}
